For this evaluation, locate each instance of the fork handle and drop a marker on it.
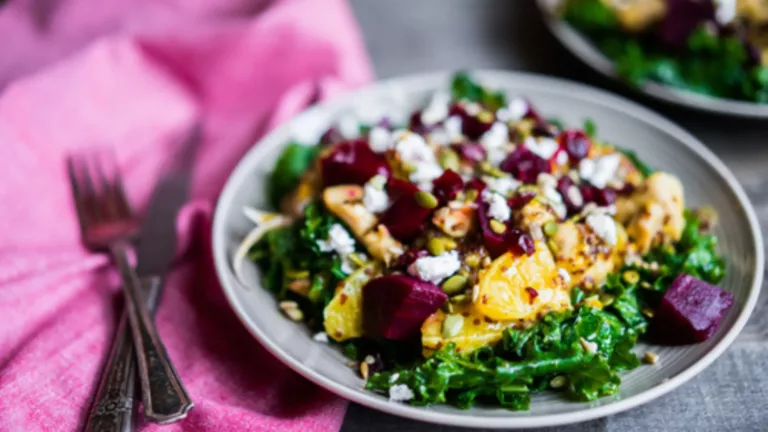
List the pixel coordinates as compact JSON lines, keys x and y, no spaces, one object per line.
{"x":164,"y":397}
{"x":113,"y":406}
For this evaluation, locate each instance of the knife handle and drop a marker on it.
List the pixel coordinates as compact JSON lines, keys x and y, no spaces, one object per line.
{"x":113,"y":406}
{"x":164,"y":396}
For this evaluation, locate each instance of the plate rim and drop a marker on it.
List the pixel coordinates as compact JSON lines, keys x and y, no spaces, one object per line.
{"x":615,"y":102}
{"x":581,"y":48}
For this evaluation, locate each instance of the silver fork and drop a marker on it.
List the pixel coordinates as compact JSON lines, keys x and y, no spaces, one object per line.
{"x":107,"y":224}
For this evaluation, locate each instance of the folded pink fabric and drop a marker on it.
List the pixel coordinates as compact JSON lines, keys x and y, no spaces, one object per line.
{"x":136,"y":75}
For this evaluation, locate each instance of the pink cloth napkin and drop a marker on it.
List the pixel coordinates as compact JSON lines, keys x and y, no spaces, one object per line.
{"x":136,"y":75}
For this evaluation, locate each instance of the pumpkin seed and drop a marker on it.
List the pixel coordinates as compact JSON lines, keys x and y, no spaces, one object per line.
{"x":485,"y":117}
{"x":454,"y":284}
{"x":472,"y":260}
{"x":648,"y":312}
{"x":449,"y":159}
{"x":435,"y":246}
{"x":452,"y":325}
{"x":607,"y":299}
{"x":550,"y":228}
{"x":631,"y":277}
{"x":461,"y":298}
{"x":291,"y":310}
{"x":357,"y":259}
{"x":472,"y":195}
{"x":449,"y":244}
{"x":651,"y":357}
{"x":408,"y":168}
{"x":558,"y":382}
{"x":497,"y":227}
{"x":552,"y":246}
{"x":426,"y":199}
{"x":297,"y":274}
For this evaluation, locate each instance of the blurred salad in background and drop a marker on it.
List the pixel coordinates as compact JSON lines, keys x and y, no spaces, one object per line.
{"x":717,"y":48}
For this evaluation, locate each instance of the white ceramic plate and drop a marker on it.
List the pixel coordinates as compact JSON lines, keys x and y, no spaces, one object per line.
{"x":582,"y":48}
{"x":656,"y":140}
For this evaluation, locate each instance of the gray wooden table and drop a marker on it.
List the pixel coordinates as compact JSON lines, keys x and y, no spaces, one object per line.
{"x":408,"y":36}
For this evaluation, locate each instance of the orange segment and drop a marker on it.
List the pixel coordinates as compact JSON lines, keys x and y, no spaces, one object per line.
{"x":521,"y":287}
{"x":476,"y":331}
{"x":344,"y":314}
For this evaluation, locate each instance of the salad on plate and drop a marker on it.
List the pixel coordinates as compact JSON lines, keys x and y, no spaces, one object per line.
{"x":717,"y":48}
{"x":477,"y":252}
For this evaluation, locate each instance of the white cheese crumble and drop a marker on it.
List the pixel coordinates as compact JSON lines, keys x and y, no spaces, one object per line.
{"x":380,"y":140}
{"x":564,"y":275}
{"x":321,"y":337}
{"x":375,"y":199}
{"x":604,"y":226}
{"x":436,"y":268}
{"x":473,"y":108}
{"x":561,"y":158}
{"x":726,"y":11}
{"x":548,"y":187}
{"x":393,"y":378}
{"x":437,"y":110}
{"x":543,"y":147}
{"x":400,"y":393}
{"x":453,"y":128}
{"x":502,"y":185}
{"x":510,"y":272}
{"x":340,"y":242}
{"x":414,"y":150}
{"x":574,"y":194}
{"x":495,"y":140}
{"x":599,"y":171}
{"x":349,"y":126}
{"x":515,"y":110}
{"x":497,"y":206}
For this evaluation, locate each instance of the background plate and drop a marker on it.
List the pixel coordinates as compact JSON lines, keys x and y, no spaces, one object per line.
{"x":582,"y":48}
{"x":656,"y":140}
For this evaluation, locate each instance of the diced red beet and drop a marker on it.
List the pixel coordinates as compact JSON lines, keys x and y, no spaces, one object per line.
{"x":525,"y":165}
{"x":471,"y":152}
{"x":602,"y":197}
{"x":514,"y":240}
{"x":476,"y":184}
{"x":543,"y":130}
{"x":405,"y":218}
{"x":447,"y":186}
{"x":521,"y":199}
{"x":576,"y":143}
{"x":352,"y":162}
{"x":564,"y":184}
{"x":532,"y":294}
{"x":417,"y":126}
{"x":533,"y":114}
{"x":395,"y":306}
{"x":472,"y":127}
{"x":690,"y":311}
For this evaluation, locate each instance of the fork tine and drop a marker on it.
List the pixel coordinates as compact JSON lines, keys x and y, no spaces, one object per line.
{"x":77,"y":193}
{"x":122,"y":207}
{"x":107,"y":199}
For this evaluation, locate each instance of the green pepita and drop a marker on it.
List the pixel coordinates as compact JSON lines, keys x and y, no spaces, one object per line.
{"x":631,"y":277}
{"x":558,"y":382}
{"x":472,"y":195}
{"x":357,"y":259}
{"x":449,"y":159}
{"x":550,"y":228}
{"x":452,"y":325}
{"x":297,"y":274}
{"x":426,"y":199}
{"x":454,"y":284}
{"x":606,"y":299}
{"x":497,"y":226}
{"x":435,"y":246}
{"x":472,"y":260}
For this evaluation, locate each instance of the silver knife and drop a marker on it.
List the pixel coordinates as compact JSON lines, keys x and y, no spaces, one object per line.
{"x":113,"y":407}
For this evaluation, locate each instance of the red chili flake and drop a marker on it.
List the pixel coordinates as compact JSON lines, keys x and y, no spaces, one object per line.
{"x":532,"y":294}
{"x":343,"y":298}
{"x":485,"y":299}
{"x":476,"y":321}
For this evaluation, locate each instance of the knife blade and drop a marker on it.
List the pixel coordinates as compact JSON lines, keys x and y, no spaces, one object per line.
{"x":113,"y":407}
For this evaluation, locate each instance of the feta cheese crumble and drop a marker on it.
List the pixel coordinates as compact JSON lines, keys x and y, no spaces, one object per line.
{"x":574,"y":194}
{"x":497,"y":206}
{"x":349,"y":126}
{"x":543,"y":147}
{"x":599,"y":171}
{"x":502,"y":185}
{"x":604,"y":226}
{"x":494,"y":140}
{"x":400,"y":393}
{"x":453,"y":128}
{"x":340,"y":242}
{"x":548,"y":187}
{"x":437,"y":110}
{"x":380,"y":140}
{"x":321,"y":337}
{"x":375,"y":198}
{"x":414,"y":150}
{"x":561,"y":158}
{"x":725,"y":11}
{"x":436,"y":268}
{"x":515,"y":110}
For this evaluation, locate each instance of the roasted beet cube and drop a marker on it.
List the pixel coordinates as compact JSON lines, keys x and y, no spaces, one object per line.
{"x":576,"y":143}
{"x":447,"y":186}
{"x":395,"y":306}
{"x":352,"y":162}
{"x":405,"y":218}
{"x":472,"y":127}
{"x":512,"y":240}
{"x":525,"y":165}
{"x":690,"y":311}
